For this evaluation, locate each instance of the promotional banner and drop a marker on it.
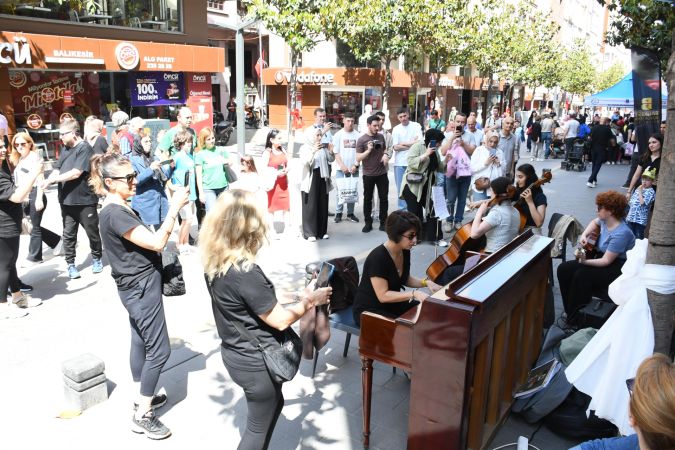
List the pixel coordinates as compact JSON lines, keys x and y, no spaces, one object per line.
{"x":48,"y":95}
{"x":156,"y":88}
{"x":646,"y":94}
{"x":199,"y":100}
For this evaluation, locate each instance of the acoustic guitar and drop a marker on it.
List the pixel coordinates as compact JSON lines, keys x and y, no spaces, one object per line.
{"x":521,"y":205}
{"x":462,"y":242}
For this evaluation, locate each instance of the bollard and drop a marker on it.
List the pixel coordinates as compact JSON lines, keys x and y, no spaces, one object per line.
{"x":84,"y":381}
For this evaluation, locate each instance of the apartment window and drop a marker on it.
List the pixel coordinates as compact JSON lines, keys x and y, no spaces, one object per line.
{"x":219,"y":5}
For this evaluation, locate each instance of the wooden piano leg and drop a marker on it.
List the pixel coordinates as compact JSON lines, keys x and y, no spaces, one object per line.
{"x":366,"y":384}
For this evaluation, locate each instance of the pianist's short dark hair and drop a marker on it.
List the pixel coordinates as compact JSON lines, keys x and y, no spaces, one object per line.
{"x":399,"y":222}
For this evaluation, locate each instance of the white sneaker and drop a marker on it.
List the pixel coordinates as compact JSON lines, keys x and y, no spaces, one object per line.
{"x":589,"y":184}
{"x":26,"y":301}
{"x":442,"y":243}
{"x":595,"y":184}
{"x":12,"y":312}
{"x":325,"y":236}
{"x":447,"y":227}
{"x":311,"y":239}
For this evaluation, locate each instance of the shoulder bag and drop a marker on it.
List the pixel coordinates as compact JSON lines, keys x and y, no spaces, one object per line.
{"x":281,"y":359}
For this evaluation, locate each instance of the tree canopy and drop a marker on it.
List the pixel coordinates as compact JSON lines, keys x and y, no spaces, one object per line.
{"x":609,"y":77}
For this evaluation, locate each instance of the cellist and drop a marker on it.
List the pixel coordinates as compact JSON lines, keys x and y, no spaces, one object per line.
{"x":500,"y":225}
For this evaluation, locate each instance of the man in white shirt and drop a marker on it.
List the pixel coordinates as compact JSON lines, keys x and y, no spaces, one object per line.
{"x":404,"y":135}
{"x":367,"y":112}
{"x":472,"y":129}
{"x":344,"y":147}
{"x":547,"y":133}
{"x":571,"y":131}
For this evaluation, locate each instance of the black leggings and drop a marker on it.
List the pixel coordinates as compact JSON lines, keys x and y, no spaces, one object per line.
{"x":9,"y":251}
{"x":578,"y":282}
{"x":264,"y":400}
{"x":150,"y":347}
{"x":39,"y":234}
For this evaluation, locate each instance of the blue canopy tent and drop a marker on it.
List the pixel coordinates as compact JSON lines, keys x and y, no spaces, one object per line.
{"x":618,"y":96}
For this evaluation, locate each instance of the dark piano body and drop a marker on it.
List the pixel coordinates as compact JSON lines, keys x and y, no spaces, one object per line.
{"x":468,"y":347}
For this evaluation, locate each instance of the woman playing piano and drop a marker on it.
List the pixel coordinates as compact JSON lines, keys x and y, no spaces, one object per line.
{"x":387,"y":270}
{"x":532,"y":201}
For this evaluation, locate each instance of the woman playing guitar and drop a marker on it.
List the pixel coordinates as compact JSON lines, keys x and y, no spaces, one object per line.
{"x":531,"y":199}
{"x":578,"y":280}
{"x":499,"y":226}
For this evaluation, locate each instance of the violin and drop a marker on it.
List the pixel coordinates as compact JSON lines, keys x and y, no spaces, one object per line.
{"x":462,"y":242}
{"x":520,"y":204}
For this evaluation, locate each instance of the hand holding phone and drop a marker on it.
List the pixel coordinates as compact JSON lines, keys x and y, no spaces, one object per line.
{"x":325,"y":274}
{"x":187,"y":180}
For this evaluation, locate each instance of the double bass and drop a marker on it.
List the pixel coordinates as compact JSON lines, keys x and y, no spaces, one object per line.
{"x":462,"y":242}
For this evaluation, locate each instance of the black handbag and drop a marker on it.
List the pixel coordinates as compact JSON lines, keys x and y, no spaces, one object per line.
{"x":414,"y":177}
{"x":281,"y":359}
{"x":230,"y":174}
{"x":172,"y":275}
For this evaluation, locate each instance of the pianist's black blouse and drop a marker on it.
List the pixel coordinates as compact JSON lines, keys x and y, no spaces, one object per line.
{"x":380,"y":264}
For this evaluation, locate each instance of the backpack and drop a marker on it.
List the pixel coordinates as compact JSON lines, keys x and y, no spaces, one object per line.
{"x":584,"y":130}
{"x":344,"y":282}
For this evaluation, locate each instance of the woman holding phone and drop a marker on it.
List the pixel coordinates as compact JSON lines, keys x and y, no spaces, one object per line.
{"x":278,"y":198}
{"x":486,"y":162}
{"x":150,"y":200}
{"x":316,"y":158}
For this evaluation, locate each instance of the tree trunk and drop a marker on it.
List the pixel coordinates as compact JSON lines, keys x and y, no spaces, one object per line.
{"x":487,"y":111}
{"x":387,"y":89}
{"x":661,"y":238}
{"x":293,"y":86}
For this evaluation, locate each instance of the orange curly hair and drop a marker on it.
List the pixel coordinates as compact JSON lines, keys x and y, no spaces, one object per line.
{"x":613,"y":202}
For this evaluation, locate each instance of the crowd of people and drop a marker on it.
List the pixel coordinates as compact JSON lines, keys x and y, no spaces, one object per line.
{"x":128,"y":195}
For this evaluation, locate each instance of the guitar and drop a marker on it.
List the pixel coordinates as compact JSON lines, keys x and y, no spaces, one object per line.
{"x":521,"y":205}
{"x":462,"y":242}
{"x":589,"y":250}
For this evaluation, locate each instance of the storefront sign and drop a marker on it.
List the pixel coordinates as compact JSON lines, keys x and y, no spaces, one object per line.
{"x":53,"y":95}
{"x":34,"y":121}
{"x":17,"y":52}
{"x":156,"y":88}
{"x":305,"y":78}
{"x":38,"y":51}
{"x":199,"y":100}
{"x":447,"y":82}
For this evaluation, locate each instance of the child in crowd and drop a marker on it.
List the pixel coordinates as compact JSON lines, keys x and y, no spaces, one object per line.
{"x":640,"y":203}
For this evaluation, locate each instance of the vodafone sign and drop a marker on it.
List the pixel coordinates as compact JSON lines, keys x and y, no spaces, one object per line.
{"x":305,"y":78}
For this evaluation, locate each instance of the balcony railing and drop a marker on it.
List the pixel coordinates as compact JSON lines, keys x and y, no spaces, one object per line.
{"x":159,"y":15}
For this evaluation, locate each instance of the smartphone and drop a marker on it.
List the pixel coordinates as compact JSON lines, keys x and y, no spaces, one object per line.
{"x":459,"y":129}
{"x":280,"y":167}
{"x":432,"y":143}
{"x":325,"y":275}
{"x":493,"y":151}
{"x":166,"y":161}
{"x":187,"y":179}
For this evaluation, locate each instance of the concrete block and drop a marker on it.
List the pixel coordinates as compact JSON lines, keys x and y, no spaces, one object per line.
{"x":86,"y":399}
{"x":83,"y":367}
{"x":86,"y":384}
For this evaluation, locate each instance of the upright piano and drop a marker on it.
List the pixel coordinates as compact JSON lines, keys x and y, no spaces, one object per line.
{"x":467,"y":347}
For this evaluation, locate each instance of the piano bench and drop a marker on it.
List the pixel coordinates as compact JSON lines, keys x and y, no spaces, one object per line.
{"x":343,"y":321}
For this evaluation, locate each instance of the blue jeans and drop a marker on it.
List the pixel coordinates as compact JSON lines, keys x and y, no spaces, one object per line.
{"x":350,"y":206}
{"x":546,"y":136}
{"x":210,"y":197}
{"x":440,"y":180}
{"x":618,"y":443}
{"x":637,"y":229}
{"x":398,"y":177}
{"x":456,"y":189}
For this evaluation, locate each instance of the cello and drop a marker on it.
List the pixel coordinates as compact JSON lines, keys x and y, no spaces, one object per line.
{"x":546,"y":177}
{"x":462,"y":242}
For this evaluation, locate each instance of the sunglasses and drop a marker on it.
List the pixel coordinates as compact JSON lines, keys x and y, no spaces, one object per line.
{"x":129,"y":178}
{"x":410,"y":236}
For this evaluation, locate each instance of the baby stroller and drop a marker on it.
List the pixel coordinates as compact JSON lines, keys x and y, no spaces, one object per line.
{"x":575,"y":159}
{"x":557,"y":148}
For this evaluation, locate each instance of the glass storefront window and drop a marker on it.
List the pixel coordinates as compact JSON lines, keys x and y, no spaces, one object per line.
{"x":160,"y":15}
{"x":374,"y":98}
{"x":337,"y":103}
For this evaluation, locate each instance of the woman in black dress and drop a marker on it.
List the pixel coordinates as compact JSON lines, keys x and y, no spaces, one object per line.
{"x":387,"y":270}
{"x":134,"y":255}
{"x":233,"y":232}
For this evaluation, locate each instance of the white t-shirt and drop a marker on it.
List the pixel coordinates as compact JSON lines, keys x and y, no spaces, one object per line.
{"x":24,"y":167}
{"x":572,"y":129}
{"x":505,"y":221}
{"x":546,"y":125}
{"x":344,"y":144}
{"x":405,"y":134}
